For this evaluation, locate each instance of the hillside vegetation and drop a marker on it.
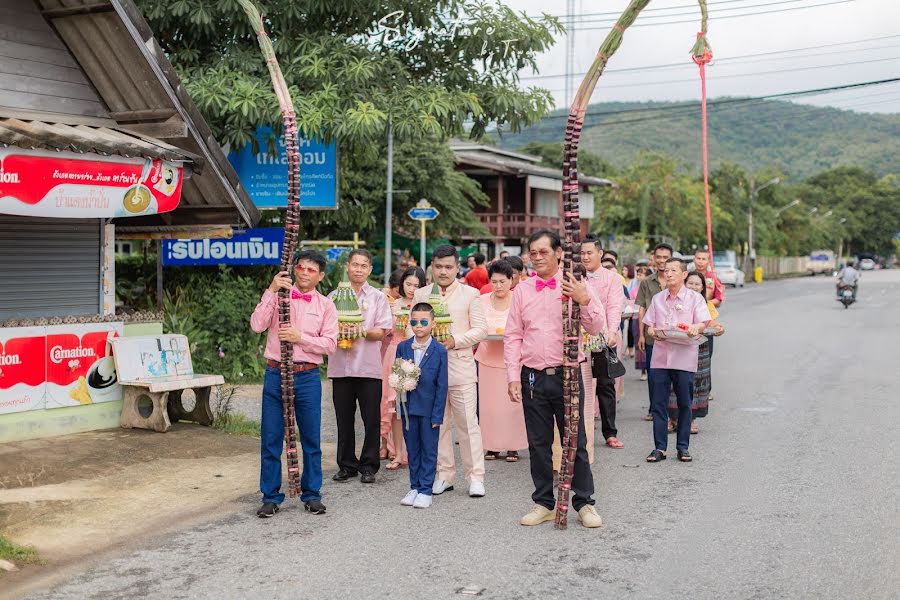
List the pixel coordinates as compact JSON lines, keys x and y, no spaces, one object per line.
{"x":794,"y":139}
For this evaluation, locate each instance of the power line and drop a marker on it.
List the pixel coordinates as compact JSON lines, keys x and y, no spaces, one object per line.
{"x":757,"y":73}
{"x":753,"y":14}
{"x":741,"y":57}
{"x":652,"y":9}
{"x":692,"y":106}
{"x":713,"y":12}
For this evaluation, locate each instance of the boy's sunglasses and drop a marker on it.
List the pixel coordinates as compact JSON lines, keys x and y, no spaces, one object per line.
{"x":416,"y":322}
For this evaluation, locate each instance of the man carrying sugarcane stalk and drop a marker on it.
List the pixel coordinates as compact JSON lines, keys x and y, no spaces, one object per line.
{"x":533,"y":354}
{"x":313,"y":334}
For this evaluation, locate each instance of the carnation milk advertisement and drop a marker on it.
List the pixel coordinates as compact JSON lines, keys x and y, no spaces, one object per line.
{"x":65,"y":184}
{"x":56,"y":366}
{"x":80,"y":365}
{"x":22,"y":373}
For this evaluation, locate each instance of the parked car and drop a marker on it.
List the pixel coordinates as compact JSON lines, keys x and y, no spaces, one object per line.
{"x":727,"y":270}
{"x":866,"y":264}
{"x":821,"y":262}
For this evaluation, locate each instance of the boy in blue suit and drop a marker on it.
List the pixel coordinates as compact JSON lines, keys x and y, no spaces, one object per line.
{"x":424,"y":412}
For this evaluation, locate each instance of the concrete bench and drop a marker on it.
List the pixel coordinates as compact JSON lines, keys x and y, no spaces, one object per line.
{"x":158,"y":369}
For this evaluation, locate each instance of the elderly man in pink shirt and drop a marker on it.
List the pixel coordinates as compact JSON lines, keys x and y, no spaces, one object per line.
{"x":356,"y":374}
{"x":673,"y":364}
{"x":313,"y":333}
{"x":533,"y":354}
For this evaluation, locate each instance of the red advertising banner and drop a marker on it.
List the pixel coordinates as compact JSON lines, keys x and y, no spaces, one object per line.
{"x":22,"y":368}
{"x":58,"y":365}
{"x":65,"y":184}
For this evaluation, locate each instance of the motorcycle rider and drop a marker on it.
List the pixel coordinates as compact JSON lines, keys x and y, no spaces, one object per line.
{"x":848,"y":277}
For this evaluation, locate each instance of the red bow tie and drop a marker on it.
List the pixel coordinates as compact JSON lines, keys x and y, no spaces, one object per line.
{"x":296,"y":295}
{"x":540,"y":284}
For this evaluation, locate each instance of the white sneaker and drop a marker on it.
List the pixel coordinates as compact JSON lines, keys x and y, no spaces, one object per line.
{"x":409,"y":498}
{"x":476,"y":489}
{"x":422,"y":501}
{"x":440,"y":486}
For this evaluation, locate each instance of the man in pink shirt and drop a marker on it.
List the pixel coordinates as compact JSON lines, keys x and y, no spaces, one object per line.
{"x":313,"y":332}
{"x":673,"y":365}
{"x":533,"y":354}
{"x":608,"y":285}
{"x":356,"y":375}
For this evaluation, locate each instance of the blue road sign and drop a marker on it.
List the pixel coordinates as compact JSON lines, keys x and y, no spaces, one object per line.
{"x":419,"y":213}
{"x":265,"y":176}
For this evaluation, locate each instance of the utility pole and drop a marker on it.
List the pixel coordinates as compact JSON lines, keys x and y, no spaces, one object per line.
{"x":751,"y":249}
{"x":389,"y":205}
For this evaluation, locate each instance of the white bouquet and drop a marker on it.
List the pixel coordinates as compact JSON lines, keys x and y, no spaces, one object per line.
{"x":404,"y":378}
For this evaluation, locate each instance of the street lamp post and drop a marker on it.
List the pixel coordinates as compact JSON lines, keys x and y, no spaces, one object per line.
{"x":753,"y":192}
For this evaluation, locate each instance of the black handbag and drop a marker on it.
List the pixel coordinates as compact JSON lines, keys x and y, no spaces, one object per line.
{"x":614,"y":366}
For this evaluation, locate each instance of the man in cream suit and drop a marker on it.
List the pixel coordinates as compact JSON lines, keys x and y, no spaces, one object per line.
{"x":468,"y":328}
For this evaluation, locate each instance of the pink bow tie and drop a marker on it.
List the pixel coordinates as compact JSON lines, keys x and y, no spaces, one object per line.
{"x":296,"y":295}
{"x":419,"y":346}
{"x":540,"y":284}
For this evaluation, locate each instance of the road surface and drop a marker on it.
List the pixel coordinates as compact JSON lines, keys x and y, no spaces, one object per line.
{"x":793,"y":493}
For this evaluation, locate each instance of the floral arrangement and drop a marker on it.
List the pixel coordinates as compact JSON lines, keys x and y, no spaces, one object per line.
{"x":350,"y":318}
{"x":401,"y":320}
{"x":404,"y":378}
{"x":442,"y":319}
{"x":592,"y":343}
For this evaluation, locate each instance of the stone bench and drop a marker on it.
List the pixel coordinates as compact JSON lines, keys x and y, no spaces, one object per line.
{"x":154,"y":371}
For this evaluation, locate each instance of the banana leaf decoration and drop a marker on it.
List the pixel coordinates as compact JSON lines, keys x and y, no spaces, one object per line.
{"x":442,"y":319}
{"x":349,"y":315}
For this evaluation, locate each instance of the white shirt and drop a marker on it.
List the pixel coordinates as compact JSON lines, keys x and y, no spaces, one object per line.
{"x":418,"y":354}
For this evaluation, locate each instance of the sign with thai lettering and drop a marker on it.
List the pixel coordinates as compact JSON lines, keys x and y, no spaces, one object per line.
{"x":265,"y":175}
{"x":57,"y":365}
{"x":260,"y":246}
{"x":69,"y":185}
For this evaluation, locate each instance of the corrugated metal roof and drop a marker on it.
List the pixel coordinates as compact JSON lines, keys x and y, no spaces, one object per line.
{"x":85,"y":138}
{"x":485,"y":158}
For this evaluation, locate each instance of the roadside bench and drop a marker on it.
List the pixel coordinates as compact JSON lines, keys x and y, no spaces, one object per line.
{"x":154,"y":371}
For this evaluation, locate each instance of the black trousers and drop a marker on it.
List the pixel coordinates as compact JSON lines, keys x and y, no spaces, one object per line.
{"x":542,"y":401}
{"x":606,"y":394}
{"x":347,"y":392}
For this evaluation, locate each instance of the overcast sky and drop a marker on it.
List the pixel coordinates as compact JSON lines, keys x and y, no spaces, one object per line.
{"x":732,"y":37}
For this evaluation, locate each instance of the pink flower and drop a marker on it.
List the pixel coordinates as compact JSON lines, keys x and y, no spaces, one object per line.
{"x":408,"y":366}
{"x":409,"y":384}
{"x":394,"y":380}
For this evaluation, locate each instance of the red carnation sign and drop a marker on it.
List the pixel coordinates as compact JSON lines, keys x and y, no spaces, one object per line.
{"x":65,"y":184}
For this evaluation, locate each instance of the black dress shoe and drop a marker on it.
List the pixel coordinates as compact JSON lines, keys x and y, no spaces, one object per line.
{"x":343,"y":475}
{"x":267,"y":510}
{"x":367,"y":477}
{"x":314,"y":506}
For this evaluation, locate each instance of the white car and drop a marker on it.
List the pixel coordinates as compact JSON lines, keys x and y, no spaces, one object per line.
{"x":866,"y":264}
{"x":729,"y":274}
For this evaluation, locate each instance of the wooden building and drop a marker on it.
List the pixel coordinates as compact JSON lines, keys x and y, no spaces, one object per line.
{"x":524,"y":195}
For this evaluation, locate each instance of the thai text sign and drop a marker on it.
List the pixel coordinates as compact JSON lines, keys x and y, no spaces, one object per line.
{"x":253,"y":247}
{"x":65,"y":184}
{"x":265,"y":176}
{"x":57,"y":365}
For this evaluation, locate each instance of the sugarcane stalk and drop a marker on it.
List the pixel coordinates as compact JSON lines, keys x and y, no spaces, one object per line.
{"x":571,"y":313}
{"x":291,"y":232}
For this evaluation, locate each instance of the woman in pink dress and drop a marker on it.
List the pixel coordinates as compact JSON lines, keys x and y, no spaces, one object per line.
{"x":502,"y":421}
{"x":410,"y":280}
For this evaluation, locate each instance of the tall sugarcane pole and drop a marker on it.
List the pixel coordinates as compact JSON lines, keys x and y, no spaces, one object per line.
{"x":571,"y":313}
{"x":291,"y":232}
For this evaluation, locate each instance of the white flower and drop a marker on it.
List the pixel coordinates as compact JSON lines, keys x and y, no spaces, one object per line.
{"x":394,"y":380}
{"x":407,"y":366}
{"x":409,"y":384}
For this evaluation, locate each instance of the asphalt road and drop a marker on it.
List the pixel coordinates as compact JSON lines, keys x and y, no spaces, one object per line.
{"x":793,"y":493}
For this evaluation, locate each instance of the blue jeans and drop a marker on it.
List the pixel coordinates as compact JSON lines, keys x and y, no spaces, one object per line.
{"x":661,"y":381}
{"x":308,"y":408}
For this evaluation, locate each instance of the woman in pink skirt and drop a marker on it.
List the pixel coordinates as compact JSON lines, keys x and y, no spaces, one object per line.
{"x":393,"y":447}
{"x":502,"y":420}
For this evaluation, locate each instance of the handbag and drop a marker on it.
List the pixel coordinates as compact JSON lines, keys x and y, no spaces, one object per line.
{"x":614,"y":366}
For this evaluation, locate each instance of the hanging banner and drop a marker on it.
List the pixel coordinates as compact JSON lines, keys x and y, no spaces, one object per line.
{"x":265,"y":176}
{"x":41,"y":183}
{"x":260,"y":246}
{"x":80,"y":365}
{"x":22,"y":368}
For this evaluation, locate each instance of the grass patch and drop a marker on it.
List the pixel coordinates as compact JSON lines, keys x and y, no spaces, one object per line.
{"x":17,"y":554}
{"x":238,"y":425}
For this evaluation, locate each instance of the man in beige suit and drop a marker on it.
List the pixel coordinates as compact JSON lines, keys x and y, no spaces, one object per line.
{"x":468,"y":328}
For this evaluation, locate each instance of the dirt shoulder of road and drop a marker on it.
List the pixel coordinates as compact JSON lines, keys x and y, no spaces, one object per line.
{"x":79,"y":497}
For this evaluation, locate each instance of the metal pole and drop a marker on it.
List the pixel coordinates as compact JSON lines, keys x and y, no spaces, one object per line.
{"x":389,"y":207}
{"x":159,"y":276}
{"x":422,"y":244}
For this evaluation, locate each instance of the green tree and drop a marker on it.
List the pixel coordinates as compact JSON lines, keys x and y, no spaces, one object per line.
{"x":551,"y":153}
